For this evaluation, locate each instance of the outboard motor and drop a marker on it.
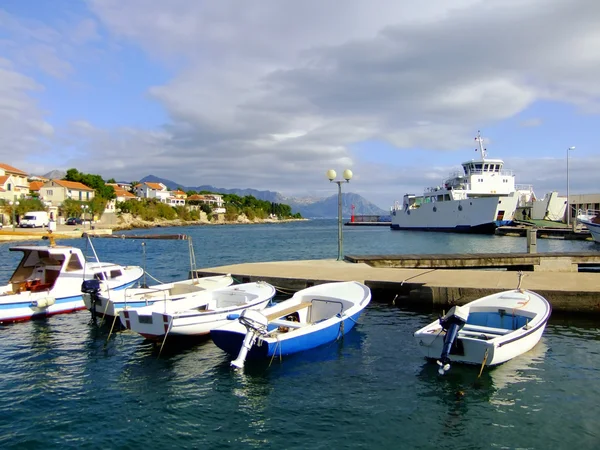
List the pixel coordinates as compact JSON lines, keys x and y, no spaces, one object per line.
{"x":92,"y":288}
{"x":256,"y":324}
{"x":451,"y":323}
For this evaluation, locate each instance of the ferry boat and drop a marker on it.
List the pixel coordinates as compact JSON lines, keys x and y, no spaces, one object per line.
{"x":478,"y":199}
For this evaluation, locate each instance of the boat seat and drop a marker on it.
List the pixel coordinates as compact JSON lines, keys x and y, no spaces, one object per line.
{"x":483,"y":329}
{"x":288,"y":311}
{"x":287,"y":323}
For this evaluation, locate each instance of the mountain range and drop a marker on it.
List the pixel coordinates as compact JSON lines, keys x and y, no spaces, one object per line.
{"x":309,"y":207}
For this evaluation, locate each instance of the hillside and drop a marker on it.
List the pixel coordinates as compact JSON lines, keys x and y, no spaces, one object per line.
{"x":308,"y":207}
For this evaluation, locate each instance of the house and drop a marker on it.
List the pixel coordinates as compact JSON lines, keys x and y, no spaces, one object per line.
{"x":215,"y":201}
{"x":177,"y":198}
{"x":152,"y":190}
{"x":13,"y":182}
{"x":57,"y":191}
{"x":122,"y":195}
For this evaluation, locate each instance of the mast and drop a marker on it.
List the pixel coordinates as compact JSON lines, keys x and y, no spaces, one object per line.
{"x":479,"y":141}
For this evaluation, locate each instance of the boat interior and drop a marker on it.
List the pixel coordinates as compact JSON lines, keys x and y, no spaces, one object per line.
{"x":308,"y":311}
{"x":39,"y":270}
{"x":491,"y":324}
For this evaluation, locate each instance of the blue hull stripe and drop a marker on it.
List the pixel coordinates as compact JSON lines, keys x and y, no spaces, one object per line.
{"x":231,"y":342}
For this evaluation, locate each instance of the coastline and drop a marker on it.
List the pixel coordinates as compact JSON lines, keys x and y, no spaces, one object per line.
{"x":125,"y":222}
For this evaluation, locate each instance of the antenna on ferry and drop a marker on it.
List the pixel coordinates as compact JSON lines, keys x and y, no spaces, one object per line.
{"x":479,"y":140}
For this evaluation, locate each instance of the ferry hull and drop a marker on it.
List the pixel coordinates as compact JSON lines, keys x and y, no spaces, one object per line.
{"x":474,"y":215}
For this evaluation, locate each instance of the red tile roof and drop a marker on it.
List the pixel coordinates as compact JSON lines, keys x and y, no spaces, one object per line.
{"x":12,"y":169}
{"x":73,"y":185}
{"x":35,"y":185}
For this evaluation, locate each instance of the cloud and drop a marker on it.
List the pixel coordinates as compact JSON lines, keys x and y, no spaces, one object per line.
{"x":23,"y":127}
{"x":270,"y":96}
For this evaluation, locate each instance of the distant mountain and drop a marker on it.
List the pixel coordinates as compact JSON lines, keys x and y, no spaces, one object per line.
{"x":309,"y":206}
{"x":55,"y":175}
{"x":328,"y":207}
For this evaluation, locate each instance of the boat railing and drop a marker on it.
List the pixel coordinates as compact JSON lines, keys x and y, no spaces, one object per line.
{"x":524,"y":187}
{"x":588,"y":214}
{"x":460,"y":173}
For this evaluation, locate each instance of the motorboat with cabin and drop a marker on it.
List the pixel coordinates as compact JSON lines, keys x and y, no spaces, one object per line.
{"x":477,"y":199}
{"x":48,"y":281}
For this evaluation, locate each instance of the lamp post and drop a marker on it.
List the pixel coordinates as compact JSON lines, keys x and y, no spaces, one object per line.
{"x":13,"y":206}
{"x":84,"y":207}
{"x":568,"y":204}
{"x":347,"y":177}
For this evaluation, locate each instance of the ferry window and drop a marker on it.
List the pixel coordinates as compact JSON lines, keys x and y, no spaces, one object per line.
{"x":478,"y":166}
{"x":115,"y":273}
{"x":447,"y":197}
{"x":74,"y":263}
{"x":486,"y":167}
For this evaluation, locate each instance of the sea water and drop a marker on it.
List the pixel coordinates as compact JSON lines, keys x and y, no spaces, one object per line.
{"x":65,"y":385}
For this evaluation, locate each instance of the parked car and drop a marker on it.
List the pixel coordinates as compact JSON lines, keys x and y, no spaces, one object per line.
{"x":74,"y":221}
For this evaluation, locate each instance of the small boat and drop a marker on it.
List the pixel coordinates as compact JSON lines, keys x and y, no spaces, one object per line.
{"x":48,"y":281}
{"x":195,"y":316}
{"x":312,"y":317}
{"x":591,"y":220}
{"x":108,"y":303}
{"x":487,"y":331}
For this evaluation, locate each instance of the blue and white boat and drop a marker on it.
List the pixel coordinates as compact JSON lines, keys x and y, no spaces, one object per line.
{"x":48,"y":281}
{"x":312,"y":317}
{"x":477,"y":199}
{"x":591,"y":220}
{"x":486,"y":332}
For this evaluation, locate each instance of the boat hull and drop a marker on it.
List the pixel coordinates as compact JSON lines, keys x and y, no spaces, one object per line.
{"x":480,"y":215}
{"x":230,"y":340}
{"x":23,"y":309}
{"x":594,"y":229}
{"x":200,"y":314}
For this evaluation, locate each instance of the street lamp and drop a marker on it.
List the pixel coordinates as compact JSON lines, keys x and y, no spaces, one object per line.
{"x":347,"y":177}
{"x":13,"y":206}
{"x":84,"y":207}
{"x":568,"y":204}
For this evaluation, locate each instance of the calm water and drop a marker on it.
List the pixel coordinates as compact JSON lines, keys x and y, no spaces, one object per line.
{"x":63,"y":386}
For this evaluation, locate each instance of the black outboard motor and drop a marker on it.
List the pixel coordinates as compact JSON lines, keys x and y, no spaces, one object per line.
{"x":92,"y":287}
{"x":452,"y":323}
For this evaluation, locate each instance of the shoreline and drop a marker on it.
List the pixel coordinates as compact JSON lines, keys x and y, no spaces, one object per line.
{"x":102,"y":229}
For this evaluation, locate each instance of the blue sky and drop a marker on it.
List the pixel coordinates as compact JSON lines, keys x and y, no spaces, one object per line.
{"x":271,"y":94}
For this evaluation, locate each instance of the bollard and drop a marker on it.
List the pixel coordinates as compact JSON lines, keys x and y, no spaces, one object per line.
{"x":531,"y":240}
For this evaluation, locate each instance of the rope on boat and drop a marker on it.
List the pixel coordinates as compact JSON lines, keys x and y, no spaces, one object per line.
{"x":155,"y":279}
{"x":485,"y":357}
{"x":165,"y":338}
{"x":341,"y":331}
{"x":110,"y":332}
{"x":277,"y":345}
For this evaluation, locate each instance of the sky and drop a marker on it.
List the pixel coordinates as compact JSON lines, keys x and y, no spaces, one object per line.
{"x":270,"y":94}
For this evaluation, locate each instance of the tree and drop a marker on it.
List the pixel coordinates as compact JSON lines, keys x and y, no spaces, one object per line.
{"x":94,"y":181}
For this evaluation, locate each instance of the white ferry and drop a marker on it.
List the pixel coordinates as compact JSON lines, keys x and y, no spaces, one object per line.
{"x":480,"y":198}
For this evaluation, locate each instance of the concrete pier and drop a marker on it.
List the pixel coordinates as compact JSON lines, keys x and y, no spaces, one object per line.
{"x":423,"y":288}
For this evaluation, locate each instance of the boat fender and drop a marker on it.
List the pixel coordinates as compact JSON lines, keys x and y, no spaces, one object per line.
{"x":233,"y":316}
{"x":43,"y":302}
